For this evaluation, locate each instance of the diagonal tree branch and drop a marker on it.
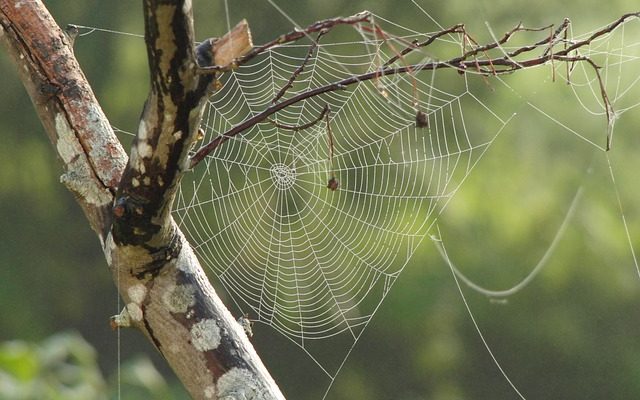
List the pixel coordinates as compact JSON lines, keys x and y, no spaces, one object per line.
{"x":91,"y":155}
{"x":166,"y":292}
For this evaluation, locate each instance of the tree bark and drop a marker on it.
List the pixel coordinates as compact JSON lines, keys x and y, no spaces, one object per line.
{"x":128,"y":202}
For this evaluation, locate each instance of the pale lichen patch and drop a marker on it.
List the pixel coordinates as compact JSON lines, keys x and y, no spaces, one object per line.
{"x":177,"y":135}
{"x":186,"y":7}
{"x":67,"y":145}
{"x":142,"y":130}
{"x":239,"y":383}
{"x":135,"y":182}
{"x":209,"y":392}
{"x":135,"y":312}
{"x":137,"y":293}
{"x":186,"y":260}
{"x":144,"y":149}
{"x":105,"y":149}
{"x":134,"y":153}
{"x":205,"y":335}
{"x":108,"y":247}
{"x":146,"y":180}
{"x":179,"y":298}
{"x":78,"y":177}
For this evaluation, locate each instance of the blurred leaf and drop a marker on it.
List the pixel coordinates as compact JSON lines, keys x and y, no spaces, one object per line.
{"x":61,"y":367}
{"x":18,"y":359}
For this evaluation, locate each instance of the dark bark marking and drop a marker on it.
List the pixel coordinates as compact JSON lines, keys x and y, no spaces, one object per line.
{"x":149,"y":330}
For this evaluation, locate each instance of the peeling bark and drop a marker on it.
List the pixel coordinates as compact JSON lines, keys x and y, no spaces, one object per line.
{"x":166,"y":292}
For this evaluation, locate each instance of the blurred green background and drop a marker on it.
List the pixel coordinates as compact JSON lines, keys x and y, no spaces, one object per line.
{"x":571,"y":334}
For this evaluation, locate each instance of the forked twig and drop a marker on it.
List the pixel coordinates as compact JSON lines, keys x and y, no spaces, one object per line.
{"x":468,"y":61}
{"x":300,"y":68}
{"x":297,"y":34}
{"x":296,"y":128}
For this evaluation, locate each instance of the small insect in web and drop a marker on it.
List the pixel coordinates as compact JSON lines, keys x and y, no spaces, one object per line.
{"x":422,"y":121}
{"x":333,"y":184}
{"x":246,"y":324}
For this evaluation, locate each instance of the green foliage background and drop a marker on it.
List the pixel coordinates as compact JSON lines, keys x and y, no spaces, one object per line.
{"x":572,"y":334}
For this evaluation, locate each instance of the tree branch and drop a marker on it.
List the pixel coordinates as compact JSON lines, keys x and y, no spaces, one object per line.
{"x":166,"y":292}
{"x":467,"y":62}
{"x":91,"y":155}
{"x":319,"y":26}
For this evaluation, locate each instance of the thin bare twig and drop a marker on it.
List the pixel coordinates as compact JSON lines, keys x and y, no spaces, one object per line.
{"x":300,"y":68}
{"x":454,"y":29}
{"x":295,"y":35}
{"x":503,"y":64}
{"x":296,"y":128}
{"x":601,"y":32}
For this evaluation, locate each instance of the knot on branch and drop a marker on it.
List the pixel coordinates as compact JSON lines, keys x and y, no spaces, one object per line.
{"x":131,"y":221}
{"x":160,"y":256}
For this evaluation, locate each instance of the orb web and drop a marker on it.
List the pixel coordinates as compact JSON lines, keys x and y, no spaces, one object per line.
{"x":311,"y":262}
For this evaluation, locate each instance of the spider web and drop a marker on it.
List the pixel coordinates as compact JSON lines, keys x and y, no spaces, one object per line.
{"x":313,"y":263}
{"x":316,"y":264}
